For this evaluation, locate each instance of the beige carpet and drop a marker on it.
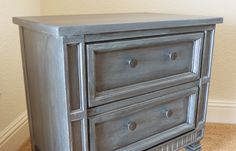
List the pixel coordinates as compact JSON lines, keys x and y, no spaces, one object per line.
{"x":218,"y":137}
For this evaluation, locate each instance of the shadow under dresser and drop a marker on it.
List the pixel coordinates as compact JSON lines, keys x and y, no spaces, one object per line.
{"x":124,"y":82}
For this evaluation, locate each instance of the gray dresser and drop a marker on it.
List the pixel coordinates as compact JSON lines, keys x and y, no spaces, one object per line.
{"x":124,"y":82}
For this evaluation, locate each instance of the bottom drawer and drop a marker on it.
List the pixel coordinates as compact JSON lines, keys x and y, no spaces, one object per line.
{"x":142,"y":125}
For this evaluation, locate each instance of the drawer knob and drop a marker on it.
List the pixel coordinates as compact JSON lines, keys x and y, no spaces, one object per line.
{"x":133,"y":63}
{"x":168,"y":113}
{"x":132,"y":126}
{"x":173,"y":56}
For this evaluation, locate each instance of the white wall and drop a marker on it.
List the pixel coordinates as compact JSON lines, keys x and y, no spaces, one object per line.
{"x":12,"y":95}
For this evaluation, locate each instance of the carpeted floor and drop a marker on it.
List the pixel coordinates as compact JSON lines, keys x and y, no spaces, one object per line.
{"x":218,"y":137}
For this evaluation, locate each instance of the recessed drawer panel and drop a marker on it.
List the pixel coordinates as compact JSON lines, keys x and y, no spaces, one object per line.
{"x":145,"y":124}
{"x":122,"y":69}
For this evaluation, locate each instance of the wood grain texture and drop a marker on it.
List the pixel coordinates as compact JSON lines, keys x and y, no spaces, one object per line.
{"x":73,"y":80}
{"x":162,"y":117}
{"x":124,"y":82}
{"x":77,"y":130}
{"x":68,"y":25}
{"x":24,"y":65}
{"x":206,"y":75}
{"x":44,"y":59}
{"x":101,"y":37}
{"x":177,"y":143}
{"x":111,"y":76}
{"x":140,"y":98}
{"x":217,"y":137}
{"x":77,"y":94}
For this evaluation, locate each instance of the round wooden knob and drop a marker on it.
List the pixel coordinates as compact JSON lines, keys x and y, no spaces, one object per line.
{"x":133,"y":63}
{"x":173,"y":55}
{"x":168,"y":113}
{"x":132,"y":126}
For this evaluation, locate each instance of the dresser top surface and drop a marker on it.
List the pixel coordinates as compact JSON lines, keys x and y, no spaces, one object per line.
{"x":99,"y":23}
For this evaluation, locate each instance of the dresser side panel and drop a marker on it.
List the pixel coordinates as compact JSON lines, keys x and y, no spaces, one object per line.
{"x":44,"y":67}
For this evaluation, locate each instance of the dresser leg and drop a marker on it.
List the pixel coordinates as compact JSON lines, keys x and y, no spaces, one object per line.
{"x":194,"y":147}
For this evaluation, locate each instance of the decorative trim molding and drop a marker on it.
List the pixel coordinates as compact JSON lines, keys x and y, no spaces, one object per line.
{"x":220,"y":111}
{"x":222,"y":104}
{"x":179,"y":142}
{"x":14,"y":127}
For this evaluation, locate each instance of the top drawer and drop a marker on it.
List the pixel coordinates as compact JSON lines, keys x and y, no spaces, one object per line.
{"x":125,"y":68}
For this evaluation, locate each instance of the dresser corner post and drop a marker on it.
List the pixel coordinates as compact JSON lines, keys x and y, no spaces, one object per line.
{"x":24,"y":66}
{"x":74,"y":48}
{"x":194,"y":147}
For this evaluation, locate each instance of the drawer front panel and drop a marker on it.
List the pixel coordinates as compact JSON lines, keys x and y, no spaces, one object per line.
{"x":118,"y":68}
{"x":160,"y":118}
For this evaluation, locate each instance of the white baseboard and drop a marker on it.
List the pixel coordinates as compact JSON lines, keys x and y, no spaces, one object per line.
{"x":15,"y":134}
{"x":221,"y":111}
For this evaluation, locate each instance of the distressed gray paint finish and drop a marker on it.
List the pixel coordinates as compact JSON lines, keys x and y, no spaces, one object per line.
{"x":145,"y":33}
{"x":139,"y":99}
{"x":29,"y":112}
{"x":179,"y":142}
{"x":157,"y":116}
{"x":44,"y":67}
{"x":194,"y":147}
{"x":104,"y":23}
{"x":113,"y":66}
{"x":67,"y":63}
{"x":75,"y":82}
{"x":205,"y":74}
